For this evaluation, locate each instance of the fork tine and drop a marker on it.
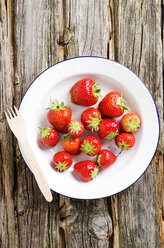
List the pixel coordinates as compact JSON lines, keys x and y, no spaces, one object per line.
{"x":12,"y":112}
{"x":7,"y":115}
{"x":16,"y":110}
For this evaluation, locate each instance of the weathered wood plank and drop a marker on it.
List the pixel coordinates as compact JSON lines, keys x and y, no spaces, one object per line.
{"x":27,"y":48}
{"x":137,"y":44}
{"x":7,"y":215}
{"x":85,"y":223}
{"x":35,"y":51}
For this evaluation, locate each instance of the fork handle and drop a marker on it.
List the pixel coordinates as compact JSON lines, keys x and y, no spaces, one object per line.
{"x":34,"y":166}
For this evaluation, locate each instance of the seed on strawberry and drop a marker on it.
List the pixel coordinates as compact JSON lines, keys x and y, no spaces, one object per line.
{"x":125,"y":141}
{"x":108,"y":129}
{"x":59,"y":116}
{"x":85,"y":92}
{"x":90,"y":145}
{"x":130,"y":122}
{"x":87,"y":170}
{"x":105,"y":158}
{"x":71,"y":145}
{"x":48,"y":136}
{"x":62,"y":161}
{"x":75,"y":128}
{"x":112,"y":105}
{"x":91,"y":119}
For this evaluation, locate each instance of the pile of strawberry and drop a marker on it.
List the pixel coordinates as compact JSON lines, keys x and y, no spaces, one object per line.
{"x":86,"y":93}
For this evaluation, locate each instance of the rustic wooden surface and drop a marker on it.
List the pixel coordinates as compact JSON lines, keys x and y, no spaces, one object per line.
{"x":34,"y":34}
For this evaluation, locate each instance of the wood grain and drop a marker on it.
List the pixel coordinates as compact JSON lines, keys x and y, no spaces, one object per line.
{"x":87,"y":222}
{"x":34,"y":34}
{"x":138,"y":46}
{"x":27,"y":48}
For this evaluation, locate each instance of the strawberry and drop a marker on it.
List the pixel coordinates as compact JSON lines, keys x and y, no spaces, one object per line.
{"x":108,"y":129}
{"x":48,"y":136}
{"x":75,"y":128}
{"x":105,"y":158}
{"x":85,"y":92}
{"x":125,"y":141}
{"x":91,"y":119}
{"x":130,"y":122}
{"x":112,"y":105}
{"x":59,"y":116}
{"x":90,"y":145}
{"x":71,"y":145}
{"x":62,"y":161}
{"x":87,"y":170}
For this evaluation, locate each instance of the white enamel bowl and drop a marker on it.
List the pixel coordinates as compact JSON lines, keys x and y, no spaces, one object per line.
{"x":55,"y":82}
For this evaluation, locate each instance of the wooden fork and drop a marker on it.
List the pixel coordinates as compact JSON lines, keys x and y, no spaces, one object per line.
{"x":17,"y":125}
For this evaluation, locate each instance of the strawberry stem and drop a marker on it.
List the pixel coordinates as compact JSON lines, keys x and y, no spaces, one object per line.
{"x":61,"y":166}
{"x":94,"y":173}
{"x":124,"y":145}
{"x":120,"y":102}
{"x":54,"y":105}
{"x":68,"y":137}
{"x":44,"y":132}
{"x":88,"y":148}
{"x":94,"y":123}
{"x":75,"y":127}
{"x":96,"y":91}
{"x":111,"y":136}
{"x":134,"y":123}
{"x":98,"y":159}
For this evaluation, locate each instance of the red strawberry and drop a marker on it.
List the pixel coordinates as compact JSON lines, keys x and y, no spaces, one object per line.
{"x":48,"y":136}
{"x":75,"y":128}
{"x":87,"y":170}
{"x":90,"y":145}
{"x":62,"y":161}
{"x":105,"y":158}
{"x":91,"y":119}
{"x":125,"y":141}
{"x":112,"y":105}
{"x":130,"y":122}
{"x":85,"y":92}
{"x":108,"y":129}
{"x":59,"y":116}
{"x":71,"y":145}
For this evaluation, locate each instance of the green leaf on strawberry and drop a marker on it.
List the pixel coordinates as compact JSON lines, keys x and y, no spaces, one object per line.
{"x":94,"y":173}
{"x":133,"y":125}
{"x":88,"y":148}
{"x":61,"y":166}
{"x":111,"y":135}
{"x":96,"y":91}
{"x":54,"y":105}
{"x":44,"y":132}
{"x":120,"y":102}
{"x":98,"y":159}
{"x":75,"y":128}
{"x":124,"y":145}
{"x":94,"y":122}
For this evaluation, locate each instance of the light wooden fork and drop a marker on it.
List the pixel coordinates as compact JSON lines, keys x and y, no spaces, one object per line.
{"x":17,"y":125}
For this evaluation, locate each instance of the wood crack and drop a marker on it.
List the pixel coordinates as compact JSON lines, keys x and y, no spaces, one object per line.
{"x":162,"y":19}
{"x":141,"y":45}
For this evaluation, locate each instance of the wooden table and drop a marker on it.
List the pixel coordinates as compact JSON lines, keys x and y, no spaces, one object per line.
{"x":34,"y":35}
